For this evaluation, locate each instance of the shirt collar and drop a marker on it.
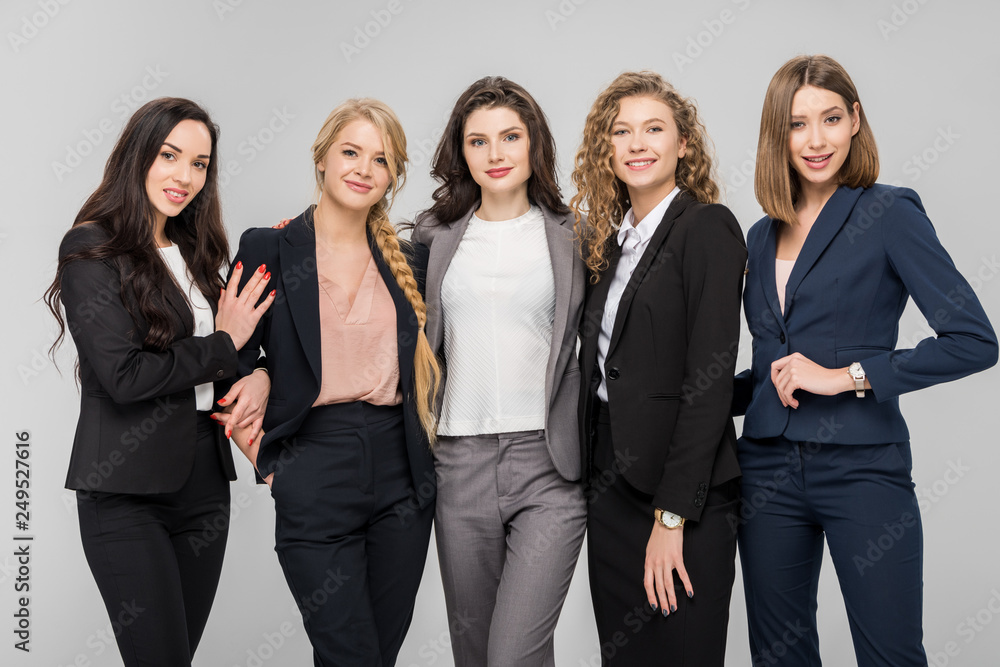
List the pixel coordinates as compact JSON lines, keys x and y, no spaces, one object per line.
{"x":647,"y":226}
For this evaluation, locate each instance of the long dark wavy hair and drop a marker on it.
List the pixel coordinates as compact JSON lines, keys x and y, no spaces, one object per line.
{"x":458,"y":191}
{"x":121,"y":207}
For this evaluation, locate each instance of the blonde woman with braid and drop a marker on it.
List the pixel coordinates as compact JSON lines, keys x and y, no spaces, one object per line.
{"x":659,"y":338}
{"x":350,"y":413}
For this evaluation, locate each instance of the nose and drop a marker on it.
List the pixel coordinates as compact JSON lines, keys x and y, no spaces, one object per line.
{"x":816,"y":137}
{"x":496,"y":152}
{"x":183,"y":174}
{"x":362,"y":168}
{"x":636,"y":143}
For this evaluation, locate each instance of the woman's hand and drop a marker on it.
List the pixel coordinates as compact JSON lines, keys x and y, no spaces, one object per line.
{"x":250,"y":450}
{"x":797,"y":372}
{"x":238,"y":315}
{"x":663,"y":556}
{"x":244,"y":404}
{"x":281,"y":225}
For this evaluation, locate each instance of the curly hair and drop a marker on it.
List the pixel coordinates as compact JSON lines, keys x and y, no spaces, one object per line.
{"x":602,"y":198}
{"x":427,"y":372}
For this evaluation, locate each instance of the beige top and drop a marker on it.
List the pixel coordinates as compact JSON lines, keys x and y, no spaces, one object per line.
{"x":358,"y":341}
{"x":782,"y":270}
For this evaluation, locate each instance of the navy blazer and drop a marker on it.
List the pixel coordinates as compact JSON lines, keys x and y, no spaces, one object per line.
{"x":137,"y":431}
{"x":289,"y":334}
{"x":867,"y":253}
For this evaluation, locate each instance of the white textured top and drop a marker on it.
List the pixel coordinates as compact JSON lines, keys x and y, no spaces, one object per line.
{"x":782,"y":270}
{"x":498,"y":302}
{"x":633,"y":238}
{"x":204,"y":321}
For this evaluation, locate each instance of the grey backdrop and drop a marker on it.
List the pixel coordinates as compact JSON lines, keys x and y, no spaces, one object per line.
{"x":72,"y":73}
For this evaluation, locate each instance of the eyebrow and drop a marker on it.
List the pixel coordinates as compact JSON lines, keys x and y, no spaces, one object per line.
{"x":509,"y":129}
{"x":358,"y":148}
{"x":645,"y":122}
{"x":167,"y":143}
{"x":825,"y":111}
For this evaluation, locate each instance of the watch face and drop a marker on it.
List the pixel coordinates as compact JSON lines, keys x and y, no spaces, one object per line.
{"x":855,"y":370}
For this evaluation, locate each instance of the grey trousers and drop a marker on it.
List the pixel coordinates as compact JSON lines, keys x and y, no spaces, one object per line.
{"x":509,"y":530}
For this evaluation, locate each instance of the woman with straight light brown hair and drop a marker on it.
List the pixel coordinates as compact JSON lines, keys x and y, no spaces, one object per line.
{"x":351,"y":409}
{"x":825,"y":451}
{"x":662,"y":312}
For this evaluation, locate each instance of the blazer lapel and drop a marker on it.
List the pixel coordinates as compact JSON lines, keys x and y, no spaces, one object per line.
{"x":827,"y":225}
{"x":766,"y":270}
{"x":406,"y":319}
{"x":562,"y":247}
{"x":298,"y":257}
{"x":593,"y":310}
{"x":649,"y":256}
{"x":442,"y":250}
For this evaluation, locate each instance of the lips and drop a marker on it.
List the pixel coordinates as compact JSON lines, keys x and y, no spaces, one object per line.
{"x":357,"y":186}
{"x":175,"y":195}
{"x":637,"y":165}
{"x":498,"y":172}
{"x":817,"y":161}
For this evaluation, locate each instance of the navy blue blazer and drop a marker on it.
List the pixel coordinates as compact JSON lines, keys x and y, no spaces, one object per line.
{"x":289,"y":333}
{"x":867,"y":253}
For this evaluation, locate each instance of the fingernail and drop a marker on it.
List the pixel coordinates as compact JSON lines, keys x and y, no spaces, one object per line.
{"x":653,"y":606}
{"x":250,"y":441}
{"x":665,"y":612}
{"x":239,"y":265}
{"x":228,"y":433}
{"x":673,"y":607}
{"x":273,"y":292}
{"x":214,"y":417}
{"x":690,"y":594}
{"x":267,"y":276}
{"x":221,"y":401}
{"x":263,"y":268}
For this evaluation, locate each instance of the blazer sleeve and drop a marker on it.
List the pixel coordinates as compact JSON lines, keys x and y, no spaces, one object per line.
{"x":252,"y":252}
{"x":105,"y":335}
{"x":714,"y":259}
{"x":965,"y":341}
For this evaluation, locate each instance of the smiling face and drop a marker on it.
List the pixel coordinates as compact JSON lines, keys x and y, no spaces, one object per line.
{"x":495,"y":146}
{"x":647,"y":147}
{"x":355,"y":169}
{"x":819,"y":138}
{"x":179,"y":171}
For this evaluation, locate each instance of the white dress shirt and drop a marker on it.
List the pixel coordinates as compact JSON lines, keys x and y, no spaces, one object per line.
{"x":633,"y":238}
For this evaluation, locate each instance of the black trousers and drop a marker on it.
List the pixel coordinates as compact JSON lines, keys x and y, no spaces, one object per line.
{"x":351,"y":545}
{"x":157,"y":558}
{"x":619,"y":524}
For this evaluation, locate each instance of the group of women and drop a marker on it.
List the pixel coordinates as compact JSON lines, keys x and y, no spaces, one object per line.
{"x":521,"y":373}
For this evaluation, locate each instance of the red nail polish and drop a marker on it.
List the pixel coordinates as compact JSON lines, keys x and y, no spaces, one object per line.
{"x":267,"y":276}
{"x":250,"y":441}
{"x":263,"y":268}
{"x":273,"y":292}
{"x":221,"y":401}
{"x":239,"y":265}
{"x":228,"y":433}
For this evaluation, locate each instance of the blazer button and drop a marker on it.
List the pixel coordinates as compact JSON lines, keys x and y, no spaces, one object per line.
{"x":703,"y":487}
{"x":698,"y":502}
{"x":782,"y":337}
{"x":613,"y":374}
{"x":220,"y":374}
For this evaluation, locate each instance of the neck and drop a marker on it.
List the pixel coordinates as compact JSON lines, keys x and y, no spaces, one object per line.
{"x":814,"y":196}
{"x":160,"y":231}
{"x":505,"y":206}
{"x":336,"y":225}
{"x":646,"y":201}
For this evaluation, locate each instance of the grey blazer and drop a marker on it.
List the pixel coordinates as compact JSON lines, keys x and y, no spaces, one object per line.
{"x":562,"y":374}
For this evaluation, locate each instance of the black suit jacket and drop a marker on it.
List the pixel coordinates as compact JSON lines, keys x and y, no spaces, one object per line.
{"x":137,"y":427}
{"x":289,"y":334}
{"x":671,"y":357}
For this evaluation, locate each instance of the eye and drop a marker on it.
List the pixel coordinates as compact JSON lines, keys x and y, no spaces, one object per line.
{"x":832,"y":119}
{"x":167,"y":155}
{"x":381,"y":161}
{"x":796,"y":124}
{"x":349,"y":152}
{"x":655,"y":128}
{"x":476,"y":143}
{"x":200,"y":164}
{"x":513,"y":136}
{"x":619,"y":132}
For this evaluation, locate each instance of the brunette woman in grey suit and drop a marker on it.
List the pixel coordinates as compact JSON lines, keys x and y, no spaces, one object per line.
{"x":505,"y":286}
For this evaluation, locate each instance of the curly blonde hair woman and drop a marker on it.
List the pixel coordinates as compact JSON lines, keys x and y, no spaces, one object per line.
{"x":350,"y":415}
{"x":658,"y":340}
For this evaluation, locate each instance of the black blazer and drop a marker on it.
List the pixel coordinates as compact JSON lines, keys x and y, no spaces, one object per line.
{"x":289,"y":334}
{"x":671,"y":357}
{"x":137,"y":427}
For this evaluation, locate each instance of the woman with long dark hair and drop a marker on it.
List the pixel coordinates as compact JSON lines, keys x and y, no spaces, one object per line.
{"x":659,"y":338}
{"x":155,"y":327}
{"x":825,"y":451}
{"x":350,"y":413}
{"x":504,"y":292}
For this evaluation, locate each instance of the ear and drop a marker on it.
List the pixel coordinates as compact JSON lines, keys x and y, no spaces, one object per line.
{"x":682,"y":147}
{"x":855,"y":118}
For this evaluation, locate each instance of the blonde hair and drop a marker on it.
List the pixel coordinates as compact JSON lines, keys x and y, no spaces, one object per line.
{"x":776,"y":184}
{"x":427,"y":372}
{"x":601,"y":196}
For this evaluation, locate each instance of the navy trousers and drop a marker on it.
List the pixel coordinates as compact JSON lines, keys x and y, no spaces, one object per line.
{"x":861,"y":499}
{"x":349,"y":542}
